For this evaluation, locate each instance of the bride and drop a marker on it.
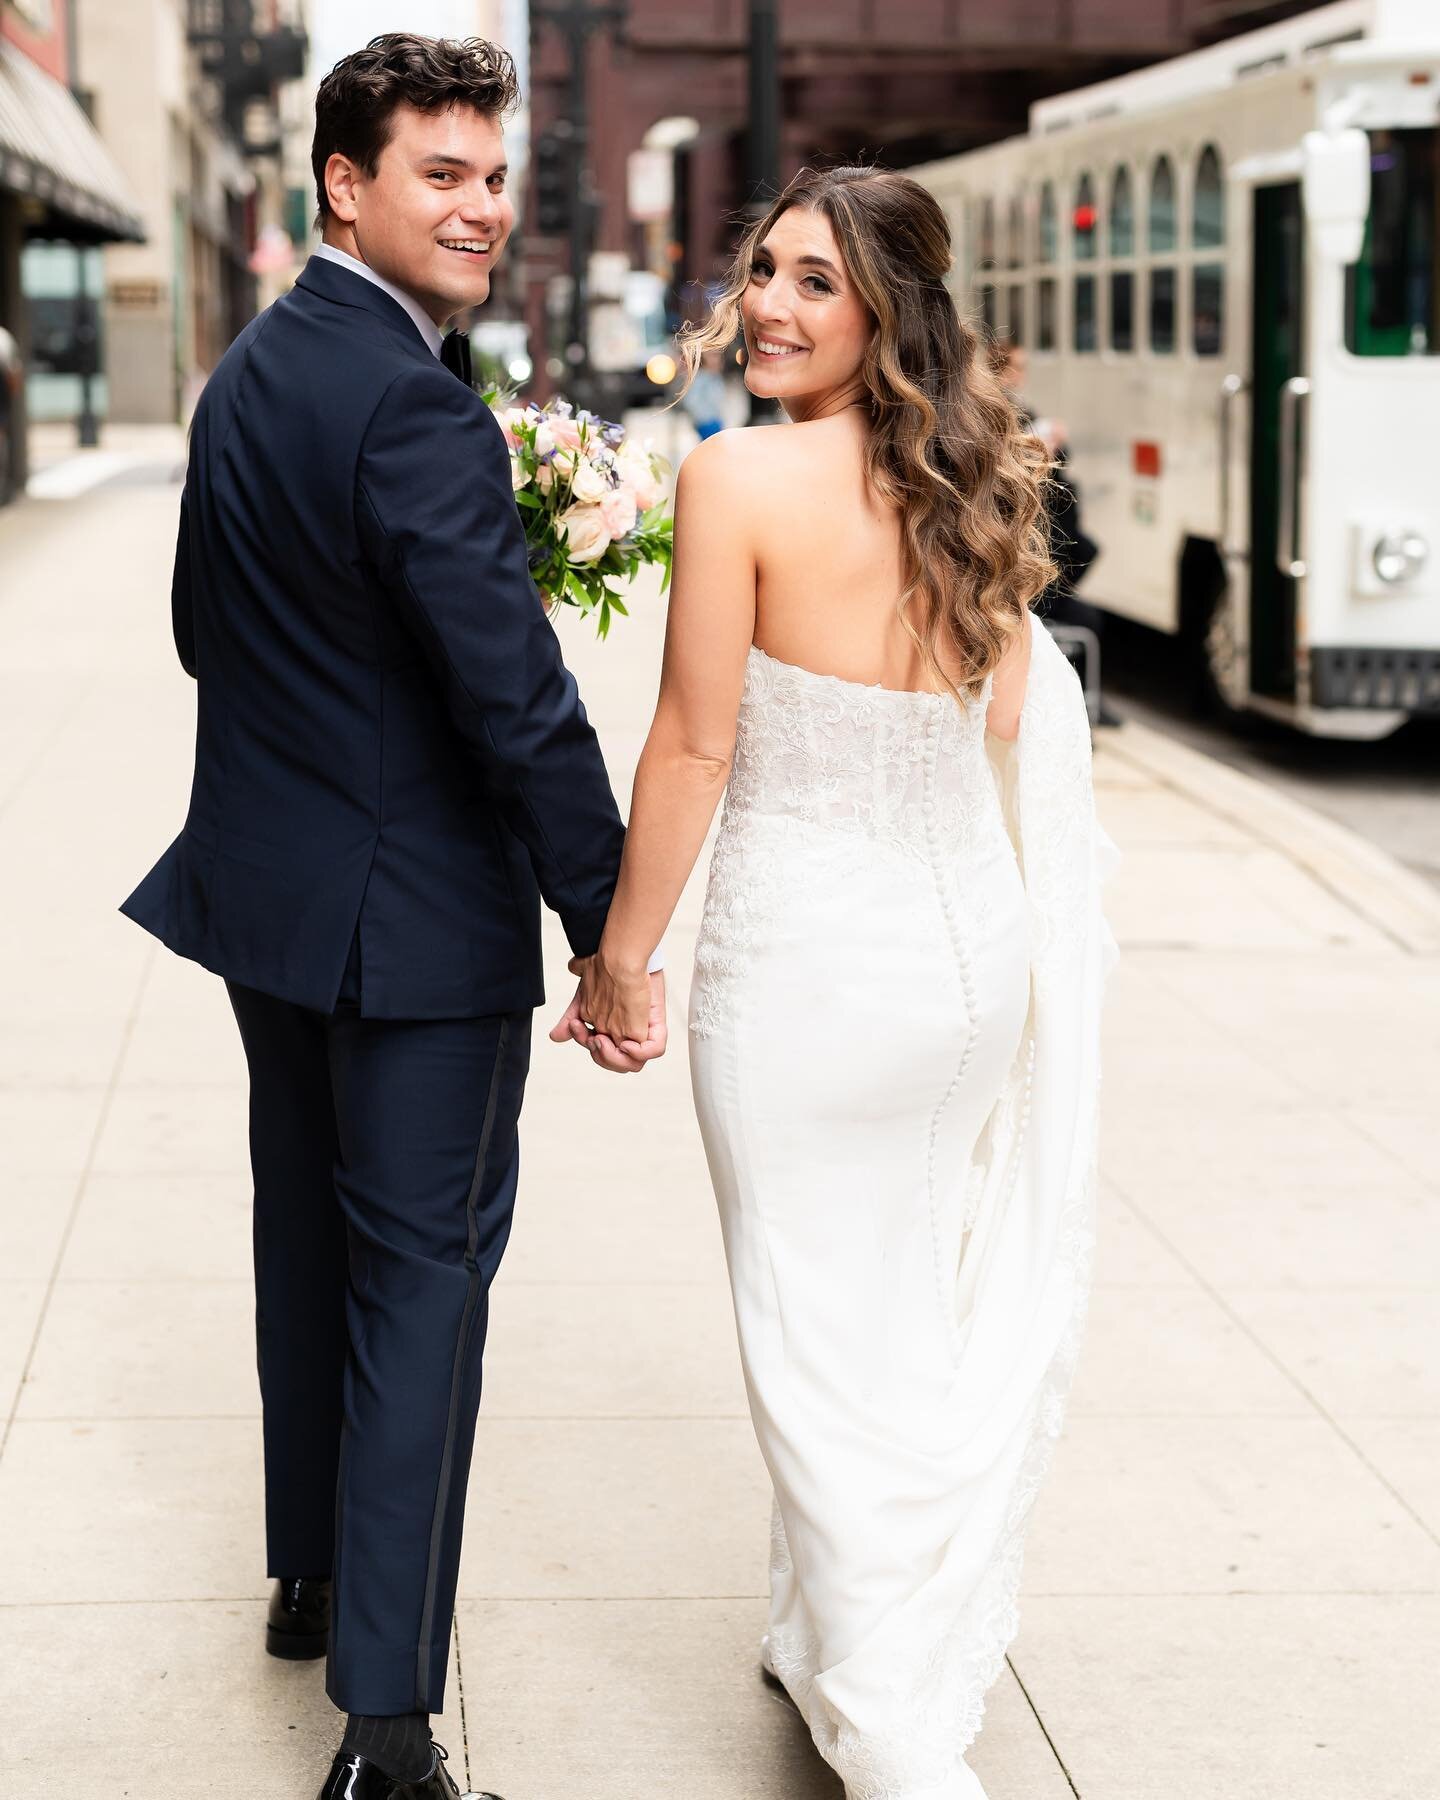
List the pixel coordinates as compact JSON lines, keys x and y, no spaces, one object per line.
{"x":894,"y":1018}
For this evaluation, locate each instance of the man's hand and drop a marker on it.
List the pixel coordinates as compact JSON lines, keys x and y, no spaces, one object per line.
{"x":580,"y":1024}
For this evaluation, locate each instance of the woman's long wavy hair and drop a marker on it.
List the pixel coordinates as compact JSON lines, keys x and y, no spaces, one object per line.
{"x":944,"y":443}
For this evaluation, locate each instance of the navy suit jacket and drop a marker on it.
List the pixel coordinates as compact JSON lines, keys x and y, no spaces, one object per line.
{"x":389,"y":750}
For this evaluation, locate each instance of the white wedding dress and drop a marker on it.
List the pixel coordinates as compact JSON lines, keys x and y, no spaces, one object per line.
{"x":894,"y":1043}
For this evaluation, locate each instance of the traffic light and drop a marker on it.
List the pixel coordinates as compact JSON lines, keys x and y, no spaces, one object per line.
{"x":554,"y":182}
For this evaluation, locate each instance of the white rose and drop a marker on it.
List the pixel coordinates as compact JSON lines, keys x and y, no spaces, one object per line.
{"x":545,"y":478}
{"x":544,"y":439}
{"x":587,"y":484}
{"x":518,"y":477}
{"x":587,"y":539}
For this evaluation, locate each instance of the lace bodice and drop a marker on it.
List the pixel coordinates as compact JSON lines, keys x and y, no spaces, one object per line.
{"x":906,"y":767}
{"x":828,"y":773}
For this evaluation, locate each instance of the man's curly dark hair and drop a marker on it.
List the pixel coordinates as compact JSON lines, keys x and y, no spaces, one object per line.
{"x":357,"y":99}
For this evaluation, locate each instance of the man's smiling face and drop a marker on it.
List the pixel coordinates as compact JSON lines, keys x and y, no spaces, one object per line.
{"x":435,"y":216}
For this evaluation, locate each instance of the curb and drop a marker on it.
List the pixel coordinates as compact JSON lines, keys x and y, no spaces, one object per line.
{"x":1368,"y":880}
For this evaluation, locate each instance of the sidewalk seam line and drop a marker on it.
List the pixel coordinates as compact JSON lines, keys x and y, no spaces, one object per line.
{"x":1044,"y":1729}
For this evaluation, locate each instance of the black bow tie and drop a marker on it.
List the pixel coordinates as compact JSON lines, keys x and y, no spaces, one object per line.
{"x":455,"y":354}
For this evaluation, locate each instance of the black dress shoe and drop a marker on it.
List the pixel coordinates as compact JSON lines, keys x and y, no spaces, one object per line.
{"x":298,"y":1626}
{"x":355,"y":1777}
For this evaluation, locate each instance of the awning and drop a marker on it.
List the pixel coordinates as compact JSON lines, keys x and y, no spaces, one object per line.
{"x":50,"y":151}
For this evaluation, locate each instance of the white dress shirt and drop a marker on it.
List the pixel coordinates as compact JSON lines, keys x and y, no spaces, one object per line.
{"x":431,"y":333}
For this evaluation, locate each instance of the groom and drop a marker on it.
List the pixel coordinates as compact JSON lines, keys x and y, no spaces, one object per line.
{"x":392,"y":767}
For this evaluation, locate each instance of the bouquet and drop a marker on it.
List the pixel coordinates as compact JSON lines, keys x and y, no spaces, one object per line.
{"x":592,"y":500}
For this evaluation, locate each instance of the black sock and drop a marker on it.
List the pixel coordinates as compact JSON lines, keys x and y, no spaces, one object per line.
{"x":400,"y":1745}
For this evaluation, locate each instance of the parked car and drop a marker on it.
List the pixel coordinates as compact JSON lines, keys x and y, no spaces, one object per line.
{"x":10,"y":379}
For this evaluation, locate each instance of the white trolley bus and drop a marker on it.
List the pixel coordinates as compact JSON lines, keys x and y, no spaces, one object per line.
{"x":1225,"y":272}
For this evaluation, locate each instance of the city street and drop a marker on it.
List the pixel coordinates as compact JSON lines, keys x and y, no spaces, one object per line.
{"x":1233,"y":1580}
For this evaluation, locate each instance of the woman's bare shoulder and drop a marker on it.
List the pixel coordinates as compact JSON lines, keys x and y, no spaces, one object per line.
{"x":739,"y":454}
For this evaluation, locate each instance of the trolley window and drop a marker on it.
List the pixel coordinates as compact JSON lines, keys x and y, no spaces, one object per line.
{"x":1207,"y":279}
{"x":1085,"y":241}
{"x":1208,"y":218}
{"x":1392,"y":295}
{"x":1015,"y":314}
{"x":1161,"y":234}
{"x":1122,"y":214}
{"x":1162,"y":311}
{"x":1122,"y":309}
{"x":1016,"y":247}
{"x":1160,"y":240}
{"x":1122,"y":244}
{"x":1048,"y":226}
{"x":1045,"y":313}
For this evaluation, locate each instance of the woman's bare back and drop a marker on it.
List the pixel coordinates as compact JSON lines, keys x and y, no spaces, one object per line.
{"x":829,"y":569}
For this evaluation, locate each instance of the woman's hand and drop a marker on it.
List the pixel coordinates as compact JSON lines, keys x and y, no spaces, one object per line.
{"x":607,"y":995}
{"x":614,"y":1000}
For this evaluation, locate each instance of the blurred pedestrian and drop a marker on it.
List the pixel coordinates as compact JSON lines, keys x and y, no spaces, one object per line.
{"x":704,"y":399}
{"x":1071,"y":546}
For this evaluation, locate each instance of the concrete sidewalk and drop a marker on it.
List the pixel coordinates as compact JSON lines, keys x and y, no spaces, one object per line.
{"x":1233,"y":1586}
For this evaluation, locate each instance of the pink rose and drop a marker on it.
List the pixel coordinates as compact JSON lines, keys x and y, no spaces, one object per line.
{"x":566,"y":433}
{"x":617,"y":509}
{"x":638,"y":474}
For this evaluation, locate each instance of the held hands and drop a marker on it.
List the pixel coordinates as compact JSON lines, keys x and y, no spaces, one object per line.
{"x":618,"y":1015}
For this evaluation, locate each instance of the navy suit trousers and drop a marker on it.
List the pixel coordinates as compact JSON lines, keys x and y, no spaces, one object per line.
{"x":385,"y":1157}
